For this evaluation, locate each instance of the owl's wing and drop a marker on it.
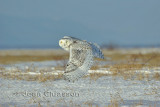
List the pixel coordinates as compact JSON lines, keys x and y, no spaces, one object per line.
{"x":77,"y":57}
{"x":96,"y":51}
{"x":80,"y":61}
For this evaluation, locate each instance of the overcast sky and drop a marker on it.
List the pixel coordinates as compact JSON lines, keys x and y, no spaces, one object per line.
{"x":41,"y":23}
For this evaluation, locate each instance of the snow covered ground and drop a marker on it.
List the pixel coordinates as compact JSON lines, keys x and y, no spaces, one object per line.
{"x":101,"y":92}
{"x":106,"y":90}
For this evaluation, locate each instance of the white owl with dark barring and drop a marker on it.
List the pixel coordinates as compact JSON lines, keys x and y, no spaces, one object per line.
{"x":81,"y":56}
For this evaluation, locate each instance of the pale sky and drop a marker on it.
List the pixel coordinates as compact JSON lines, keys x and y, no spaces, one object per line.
{"x":41,"y":23}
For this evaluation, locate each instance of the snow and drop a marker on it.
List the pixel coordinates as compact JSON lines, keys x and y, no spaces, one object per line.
{"x":102,"y":92}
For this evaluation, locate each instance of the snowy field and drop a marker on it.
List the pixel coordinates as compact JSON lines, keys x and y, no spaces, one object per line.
{"x":23,"y":84}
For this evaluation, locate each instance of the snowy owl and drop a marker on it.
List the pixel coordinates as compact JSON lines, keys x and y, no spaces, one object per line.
{"x":81,"y":56}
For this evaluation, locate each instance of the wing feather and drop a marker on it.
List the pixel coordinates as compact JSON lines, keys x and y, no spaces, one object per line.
{"x":77,"y":57}
{"x":96,"y":51}
{"x":80,"y":61}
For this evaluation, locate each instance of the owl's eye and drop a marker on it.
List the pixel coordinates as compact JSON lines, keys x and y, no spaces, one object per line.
{"x":61,"y":42}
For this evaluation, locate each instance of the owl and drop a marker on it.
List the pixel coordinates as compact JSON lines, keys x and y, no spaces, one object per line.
{"x":81,"y":57}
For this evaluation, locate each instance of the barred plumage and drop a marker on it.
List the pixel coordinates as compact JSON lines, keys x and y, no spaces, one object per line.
{"x":81,"y":56}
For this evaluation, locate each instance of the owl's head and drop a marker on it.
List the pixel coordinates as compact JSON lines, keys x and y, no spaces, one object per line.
{"x":66,"y":41}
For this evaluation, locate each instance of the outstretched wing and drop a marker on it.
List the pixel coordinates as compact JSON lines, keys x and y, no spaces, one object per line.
{"x":96,"y":51}
{"x":80,"y":61}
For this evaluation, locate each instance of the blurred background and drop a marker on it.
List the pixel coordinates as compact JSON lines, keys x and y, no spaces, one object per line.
{"x":41,"y":23}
